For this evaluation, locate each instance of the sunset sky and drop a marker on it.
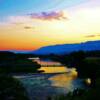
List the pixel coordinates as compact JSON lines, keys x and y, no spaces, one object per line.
{"x":31,"y":24}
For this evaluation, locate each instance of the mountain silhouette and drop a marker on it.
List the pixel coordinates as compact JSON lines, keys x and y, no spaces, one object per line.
{"x":68,"y":48}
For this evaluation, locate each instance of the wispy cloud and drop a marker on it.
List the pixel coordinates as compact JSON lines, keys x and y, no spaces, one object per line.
{"x":19,"y":19}
{"x":89,"y":36}
{"x":92,"y":36}
{"x":28,"y":21}
{"x":28,"y":27}
{"x":48,"y":15}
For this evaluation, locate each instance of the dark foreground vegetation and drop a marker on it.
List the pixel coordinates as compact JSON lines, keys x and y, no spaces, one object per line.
{"x":16,"y":63}
{"x":11,"y":89}
{"x":12,"y":64}
{"x":86,"y":63}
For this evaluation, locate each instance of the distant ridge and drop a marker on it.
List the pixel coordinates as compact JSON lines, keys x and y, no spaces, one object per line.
{"x":68,"y":48}
{"x":16,"y":51}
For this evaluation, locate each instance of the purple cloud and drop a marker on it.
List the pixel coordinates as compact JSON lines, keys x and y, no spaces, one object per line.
{"x":48,"y":15}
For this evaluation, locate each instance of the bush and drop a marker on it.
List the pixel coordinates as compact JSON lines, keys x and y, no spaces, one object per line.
{"x":11,"y":89}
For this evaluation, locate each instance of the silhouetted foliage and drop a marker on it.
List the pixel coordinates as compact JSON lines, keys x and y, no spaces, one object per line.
{"x":11,"y":89}
{"x":14,"y":63}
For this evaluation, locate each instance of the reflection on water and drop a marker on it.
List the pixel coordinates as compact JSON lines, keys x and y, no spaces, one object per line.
{"x":65,"y":80}
{"x":62,"y":80}
{"x":53,"y":81}
{"x":43,"y":85}
{"x":54,"y":69}
{"x":47,"y":62}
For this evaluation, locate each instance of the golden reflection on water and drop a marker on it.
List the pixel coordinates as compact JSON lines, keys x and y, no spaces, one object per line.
{"x":61,"y":80}
{"x":54,"y":69}
{"x":51,"y":66}
{"x":64,"y":79}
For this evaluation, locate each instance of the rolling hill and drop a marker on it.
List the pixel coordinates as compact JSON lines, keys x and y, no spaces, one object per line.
{"x":68,"y":48}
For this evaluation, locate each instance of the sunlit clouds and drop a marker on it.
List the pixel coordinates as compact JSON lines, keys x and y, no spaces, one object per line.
{"x":48,"y":15}
{"x":33,"y":30}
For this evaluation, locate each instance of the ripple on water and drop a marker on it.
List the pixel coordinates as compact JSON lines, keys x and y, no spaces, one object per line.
{"x":44,"y":85}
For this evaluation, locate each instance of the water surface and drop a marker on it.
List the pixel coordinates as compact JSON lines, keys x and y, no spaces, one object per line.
{"x":54,"y":81}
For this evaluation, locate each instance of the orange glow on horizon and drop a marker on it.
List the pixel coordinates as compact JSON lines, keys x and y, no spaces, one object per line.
{"x":31,"y":33}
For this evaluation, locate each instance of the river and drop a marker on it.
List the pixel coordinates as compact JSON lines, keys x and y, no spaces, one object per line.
{"x":55,"y":80}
